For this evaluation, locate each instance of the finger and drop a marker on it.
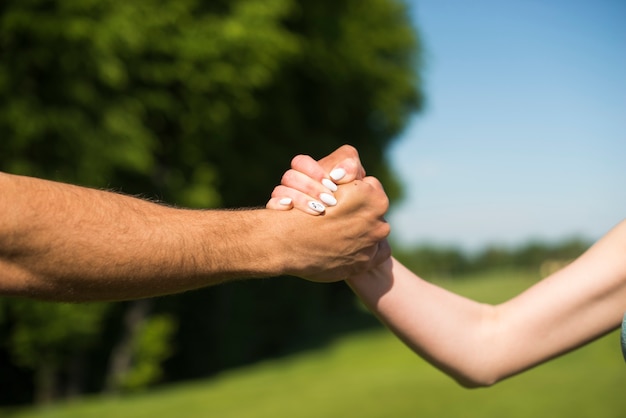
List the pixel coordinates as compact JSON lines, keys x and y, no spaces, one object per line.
{"x":279,"y":203}
{"x":377,"y":192}
{"x":304,"y":184}
{"x":308,"y":166}
{"x":298,"y":200}
{"x":346,"y":171}
{"x":311,"y":168}
{"x":343,"y":165}
{"x":373,"y":181}
{"x":369,"y":186}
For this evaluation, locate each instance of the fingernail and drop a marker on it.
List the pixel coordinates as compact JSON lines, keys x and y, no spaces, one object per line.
{"x":329,"y":185}
{"x":285,"y":201}
{"x":328,"y":199}
{"x":316,"y":206}
{"x":337,"y":174}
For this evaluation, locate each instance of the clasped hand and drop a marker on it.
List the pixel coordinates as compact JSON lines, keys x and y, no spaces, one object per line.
{"x":337,"y":188}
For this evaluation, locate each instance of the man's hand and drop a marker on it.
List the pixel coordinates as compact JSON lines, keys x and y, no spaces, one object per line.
{"x":348,"y":239}
{"x":353,"y":231}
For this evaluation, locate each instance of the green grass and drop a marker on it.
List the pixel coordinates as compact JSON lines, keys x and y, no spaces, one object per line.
{"x":371,"y":374}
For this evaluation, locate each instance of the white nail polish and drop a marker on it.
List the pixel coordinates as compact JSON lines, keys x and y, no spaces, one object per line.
{"x":329,"y":185}
{"x":317,"y":206}
{"x":328,"y":199}
{"x":337,"y":174}
{"x":285,"y":201}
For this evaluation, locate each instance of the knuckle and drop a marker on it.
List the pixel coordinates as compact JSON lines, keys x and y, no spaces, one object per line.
{"x":299,"y":160}
{"x":384,"y":201}
{"x":280,"y":191}
{"x":288,"y":177}
{"x":349,"y":149}
{"x":385,"y":230}
{"x":351,"y":166}
{"x":275,"y":192}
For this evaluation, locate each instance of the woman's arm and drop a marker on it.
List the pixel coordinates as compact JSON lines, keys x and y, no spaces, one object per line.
{"x":479,"y":344}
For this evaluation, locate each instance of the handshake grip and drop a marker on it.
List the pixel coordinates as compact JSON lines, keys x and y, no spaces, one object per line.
{"x":347,"y":239}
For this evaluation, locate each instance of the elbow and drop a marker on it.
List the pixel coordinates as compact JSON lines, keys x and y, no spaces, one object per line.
{"x":475,"y":382}
{"x":484,"y":361}
{"x":476,"y":373}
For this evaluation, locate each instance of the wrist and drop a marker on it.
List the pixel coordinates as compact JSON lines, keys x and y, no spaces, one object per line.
{"x":241,"y":244}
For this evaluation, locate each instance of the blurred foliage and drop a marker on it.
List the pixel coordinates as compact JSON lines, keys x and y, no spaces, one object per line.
{"x":436,"y":262}
{"x":199,"y":104}
{"x":50,"y":333}
{"x":151,"y":348}
{"x":431,"y":261}
{"x":50,"y":338}
{"x":139,"y":95}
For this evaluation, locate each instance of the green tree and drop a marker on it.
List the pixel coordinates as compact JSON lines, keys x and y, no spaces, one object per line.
{"x":136,"y":359}
{"x":203,"y":104}
{"x":432,"y":262}
{"x":50,"y":338}
{"x":133,"y":94}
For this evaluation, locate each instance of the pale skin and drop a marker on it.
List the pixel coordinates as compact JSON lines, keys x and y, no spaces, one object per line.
{"x":480,"y":344}
{"x":67,"y":243}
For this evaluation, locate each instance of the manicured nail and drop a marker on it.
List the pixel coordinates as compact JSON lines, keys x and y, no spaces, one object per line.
{"x":337,"y":174}
{"x":285,"y":201}
{"x":316,"y":206}
{"x":328,"y":199}
{"x":329,"y":185}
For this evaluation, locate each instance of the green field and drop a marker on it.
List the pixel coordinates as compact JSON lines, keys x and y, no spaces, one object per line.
{"x":371,"y":374}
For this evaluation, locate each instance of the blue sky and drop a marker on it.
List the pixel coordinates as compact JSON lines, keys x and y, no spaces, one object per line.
{"x":523,"y":135}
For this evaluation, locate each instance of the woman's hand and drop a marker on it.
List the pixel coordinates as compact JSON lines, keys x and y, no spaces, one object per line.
{"x":310,"y":185}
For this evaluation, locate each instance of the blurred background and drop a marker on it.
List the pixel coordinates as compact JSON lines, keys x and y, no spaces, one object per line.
{"x":523,"y":132}
{"x":497,"y":129}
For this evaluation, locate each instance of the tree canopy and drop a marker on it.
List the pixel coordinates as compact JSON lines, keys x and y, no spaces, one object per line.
{"x":199,"y":104}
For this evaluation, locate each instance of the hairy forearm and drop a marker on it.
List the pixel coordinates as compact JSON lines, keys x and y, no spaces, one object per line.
{"x":65,"y":242}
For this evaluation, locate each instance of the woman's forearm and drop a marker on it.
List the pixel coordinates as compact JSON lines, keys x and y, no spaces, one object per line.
{"x":446,"y":329}
{"x":480,"y":344}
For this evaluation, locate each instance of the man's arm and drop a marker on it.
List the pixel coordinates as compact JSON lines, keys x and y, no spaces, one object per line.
{"x":64,"y":242}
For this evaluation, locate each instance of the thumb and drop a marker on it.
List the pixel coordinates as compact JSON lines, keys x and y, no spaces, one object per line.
{"x":343,"y":165}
